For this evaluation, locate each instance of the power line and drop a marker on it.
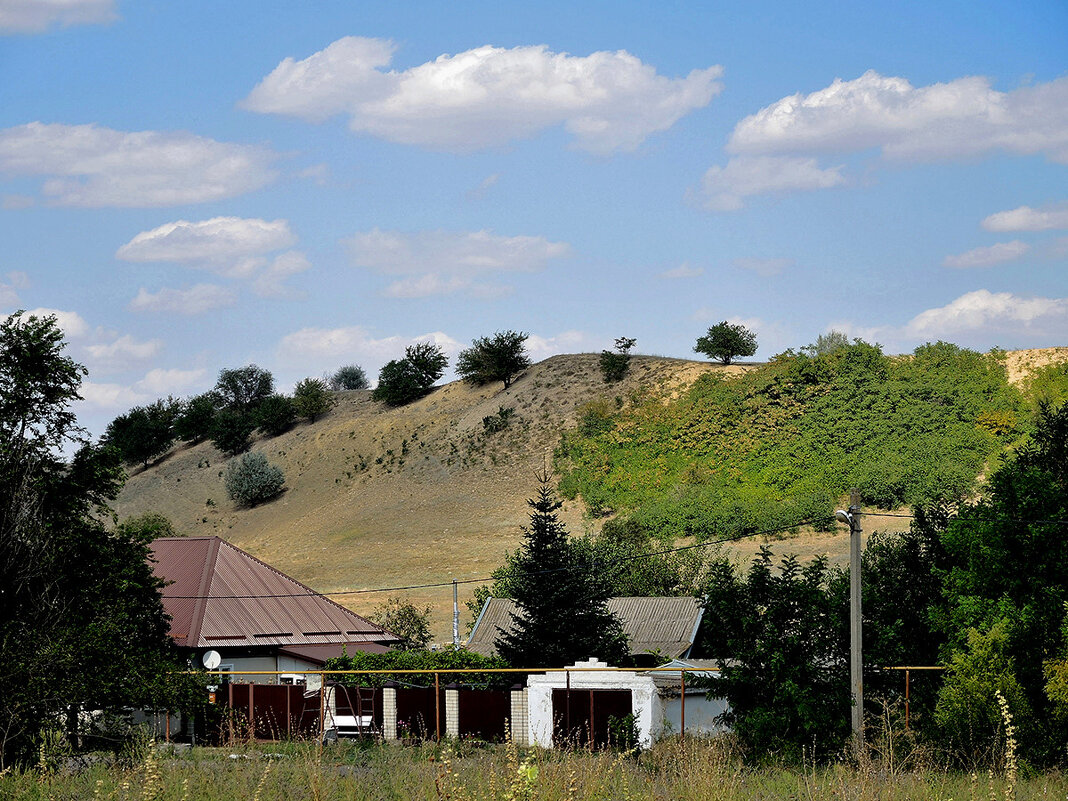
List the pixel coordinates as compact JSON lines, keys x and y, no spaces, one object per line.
{"x":619,"y":560}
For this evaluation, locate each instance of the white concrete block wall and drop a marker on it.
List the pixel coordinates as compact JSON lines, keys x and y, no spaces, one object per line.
{"x":519,"y":721}
{"x":452,"y":713}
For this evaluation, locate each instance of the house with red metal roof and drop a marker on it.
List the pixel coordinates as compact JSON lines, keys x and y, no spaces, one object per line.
{"x":220,"y":598}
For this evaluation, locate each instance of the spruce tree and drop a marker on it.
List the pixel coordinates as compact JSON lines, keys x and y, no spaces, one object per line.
{"x":562,"y":613}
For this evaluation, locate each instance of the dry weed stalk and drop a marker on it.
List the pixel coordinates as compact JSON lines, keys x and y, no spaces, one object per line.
{"x":1010,"y":747}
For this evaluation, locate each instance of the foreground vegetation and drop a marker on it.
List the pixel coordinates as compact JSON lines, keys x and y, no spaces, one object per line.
{"x":691,"y":769}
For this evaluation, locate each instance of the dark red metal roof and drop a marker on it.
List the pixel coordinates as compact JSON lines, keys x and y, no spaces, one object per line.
{"x":203,"y":575}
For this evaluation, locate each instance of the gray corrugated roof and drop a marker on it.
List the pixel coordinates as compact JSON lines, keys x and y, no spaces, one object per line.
{"x":664,"y":624}
{"x":203,"y":571}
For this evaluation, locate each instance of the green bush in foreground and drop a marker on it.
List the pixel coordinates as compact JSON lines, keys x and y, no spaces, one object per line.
{"x":251,"y":479}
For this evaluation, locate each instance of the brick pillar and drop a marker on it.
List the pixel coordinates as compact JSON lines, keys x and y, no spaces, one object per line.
{"x":389,"y":713}
{"x":520,"y":718}
{"x":452,"y":713}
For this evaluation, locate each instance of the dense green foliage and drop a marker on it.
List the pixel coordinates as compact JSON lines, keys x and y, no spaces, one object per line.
{"x":348,"y":377}
{"x":312,"y":399}
{"x":785,"y":670}
{"x":81,"y":620}
{"x":402,"y":381}
{"x":148,"y":527}
{"x":498,"y":358}
{"x":614,"y":364}
{"x":420,"y":660}
{"x":725,"y":341}
{"x":145,"y":432}
{"x":251,"y":479}
{"x":409,"y":622}
{"x":242,"y":389}
{"x":231,"y":431}
{"x":1006,"y":590}
{"x":562,"y":614}
{"x":275,"y":415}
{"x":777,"y":445}
{"x":196,"y":416}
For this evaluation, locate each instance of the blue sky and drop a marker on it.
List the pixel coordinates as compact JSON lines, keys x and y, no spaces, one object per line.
{"x":305,"y":185}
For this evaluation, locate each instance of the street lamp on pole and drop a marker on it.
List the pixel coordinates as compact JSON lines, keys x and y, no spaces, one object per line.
{"x":856,"y":659}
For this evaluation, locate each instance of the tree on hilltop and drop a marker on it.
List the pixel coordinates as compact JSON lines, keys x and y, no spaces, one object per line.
{"x":724,"y":341}
{"x":244,"y":388}
{"x":404,"y":380}
{"x":498,"y":358}
{"x":349,"y":377}
{"x":312,"y":399}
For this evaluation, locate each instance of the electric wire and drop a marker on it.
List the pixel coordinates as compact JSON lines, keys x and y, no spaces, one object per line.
{"x":610,"y":563}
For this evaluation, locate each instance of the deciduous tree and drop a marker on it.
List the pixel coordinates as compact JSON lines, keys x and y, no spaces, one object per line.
{"x":498,"y":358}
{"x":81,"y":620}
{"x":725,"y":341}
{"x":312,"y":399}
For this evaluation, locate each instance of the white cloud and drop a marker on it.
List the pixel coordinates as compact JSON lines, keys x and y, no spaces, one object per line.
{"x":195,"y":300}
{"x":684,"y":270}
{"x":484,"y":186}
{"x":1026,"y":218}
{"x":222,"y":244}
{"x":111,"y":396}
{"x":985,"y":256}
{"x":71,"y":323}
{"x":35,"y":16}
{"x":961,"y":118}
{"x":445,"y":262}
{"x":991,"y":312}
{"x":572,"y":341}
{"x":271,"y":282}
{"x":9,"y":295}
{"x":160,"y":382}
{"x":725,"y":188}
{"x":315,"y":349}
{"x":95,"y":166}
{"x":763,"y":267}
{"x":121,"y":353}
{"x":484,"y":97}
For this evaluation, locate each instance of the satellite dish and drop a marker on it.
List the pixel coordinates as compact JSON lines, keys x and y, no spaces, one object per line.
{"x":211,"y":659}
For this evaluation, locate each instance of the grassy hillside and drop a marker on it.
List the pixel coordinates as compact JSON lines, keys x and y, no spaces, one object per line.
{"x":422,"y":493}
{"x":782,"y":443}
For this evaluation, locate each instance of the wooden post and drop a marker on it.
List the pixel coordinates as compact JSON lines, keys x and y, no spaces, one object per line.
{"x":289,"y":711}
{"x":251,"y":714}
{"x":168,"y":725}
{"x":906,"y":699}
{"x":591,"y":733}
{"x":322,"y":706}
{"x":856,"y":658}
{"x":567,"y":704}
{"x":437,"y":705}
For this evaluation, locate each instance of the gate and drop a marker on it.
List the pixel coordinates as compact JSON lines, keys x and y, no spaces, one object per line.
{"x":580,"y":717}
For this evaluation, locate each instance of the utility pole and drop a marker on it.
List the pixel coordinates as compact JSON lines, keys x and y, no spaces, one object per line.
{"x":856,"y":658}
{"x":455,"y":615}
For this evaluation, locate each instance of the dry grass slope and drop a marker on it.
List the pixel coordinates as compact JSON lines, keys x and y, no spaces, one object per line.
{"x":381,"y":497}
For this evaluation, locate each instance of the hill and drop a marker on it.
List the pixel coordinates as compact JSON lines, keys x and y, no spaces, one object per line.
{"x":422,"y":493}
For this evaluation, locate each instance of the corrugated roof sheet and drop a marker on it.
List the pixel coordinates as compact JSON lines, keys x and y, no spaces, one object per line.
{"x":203,"y":571}
{"x":664,"y":624}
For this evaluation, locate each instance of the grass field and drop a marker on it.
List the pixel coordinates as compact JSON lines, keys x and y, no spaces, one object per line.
{"x":691,"y":769}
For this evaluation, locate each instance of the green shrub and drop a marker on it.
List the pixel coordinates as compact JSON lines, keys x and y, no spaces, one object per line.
{"x":498,"y":422}
{"x":275,"y":415}
{"x":231,"y":431}
{"x":312,"y":399}
{"x":349,"y":377}
{"x":251,"y":480}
